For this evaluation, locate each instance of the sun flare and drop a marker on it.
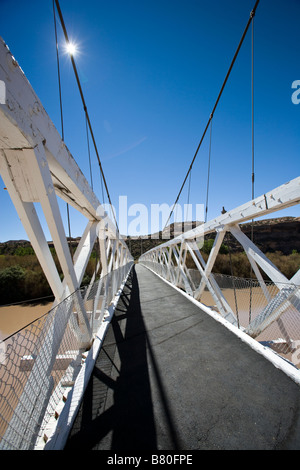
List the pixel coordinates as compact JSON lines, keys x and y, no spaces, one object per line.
{"x":71,"y":48}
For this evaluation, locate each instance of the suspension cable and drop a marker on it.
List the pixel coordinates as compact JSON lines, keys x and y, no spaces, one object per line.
{"x":189,"y":189}
{"x":58,"y":73}
{"x":61,"y":115}
{"x":252,"y":99}
{"x":252,"y":117}
{"x":216,"y":104}
{"x":252,"y":149}
{"x":208,"y":171}
{"x":186,"y":214}
{"x":84,"y":105}
{"x":188,"y":196}
{"x":89,"y":153}
{"x":232,"y":279}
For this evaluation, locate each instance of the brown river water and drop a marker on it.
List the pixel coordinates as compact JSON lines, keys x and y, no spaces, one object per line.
{"x":15,"y":317}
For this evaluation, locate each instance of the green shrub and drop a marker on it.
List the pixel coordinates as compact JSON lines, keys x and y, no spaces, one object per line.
{"x":208,"y":244}
{"x":24,"y":250}
{"x":35,"y":285}
{"x":287,"y":264}
{"x":11,"y":283}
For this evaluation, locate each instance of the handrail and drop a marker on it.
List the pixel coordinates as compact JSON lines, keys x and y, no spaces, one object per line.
{"x":169,"y":260}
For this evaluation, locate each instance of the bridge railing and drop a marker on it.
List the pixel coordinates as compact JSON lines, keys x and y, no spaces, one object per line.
{"x":271,"y":307}
{"x":39,"y":365}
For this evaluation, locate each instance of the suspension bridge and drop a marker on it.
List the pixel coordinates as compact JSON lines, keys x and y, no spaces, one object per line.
{"x":151,"y":355}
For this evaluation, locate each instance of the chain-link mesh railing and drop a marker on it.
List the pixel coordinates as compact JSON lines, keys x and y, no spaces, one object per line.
{"x":41,"y":361}
{"x":267,"y":311}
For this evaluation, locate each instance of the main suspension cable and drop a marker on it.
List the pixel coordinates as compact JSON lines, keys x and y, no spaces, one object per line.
{"x":58,"y":73}
{"x":84,"y":105}
{"x":252,"y":99}
{"x":61,"y":114}
{"x":89,"y":153}
{"x":208,"y":171}
{"x":252,"y":13}
{"x":252,"y":149}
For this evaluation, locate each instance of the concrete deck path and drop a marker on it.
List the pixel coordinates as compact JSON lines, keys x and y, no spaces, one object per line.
{"x":170,"y":377}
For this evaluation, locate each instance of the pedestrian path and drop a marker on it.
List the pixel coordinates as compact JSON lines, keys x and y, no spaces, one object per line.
{"x":170,"y":377}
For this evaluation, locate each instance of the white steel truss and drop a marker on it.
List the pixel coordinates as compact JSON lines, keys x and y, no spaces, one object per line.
{"x":168,"y":259}
{"x":37,"y":167}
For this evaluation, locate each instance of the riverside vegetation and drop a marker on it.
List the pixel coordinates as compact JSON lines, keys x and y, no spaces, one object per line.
{"x":22,"y":278}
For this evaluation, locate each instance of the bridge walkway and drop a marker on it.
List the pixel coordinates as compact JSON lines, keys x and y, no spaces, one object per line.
{"x":170,"y":377}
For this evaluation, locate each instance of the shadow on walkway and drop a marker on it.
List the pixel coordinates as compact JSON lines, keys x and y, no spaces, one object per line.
{"x":117,"y":410}
{"x":164,"y":353}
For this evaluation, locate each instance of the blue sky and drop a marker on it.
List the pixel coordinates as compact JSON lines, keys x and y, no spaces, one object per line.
{"x":151,"y":72}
